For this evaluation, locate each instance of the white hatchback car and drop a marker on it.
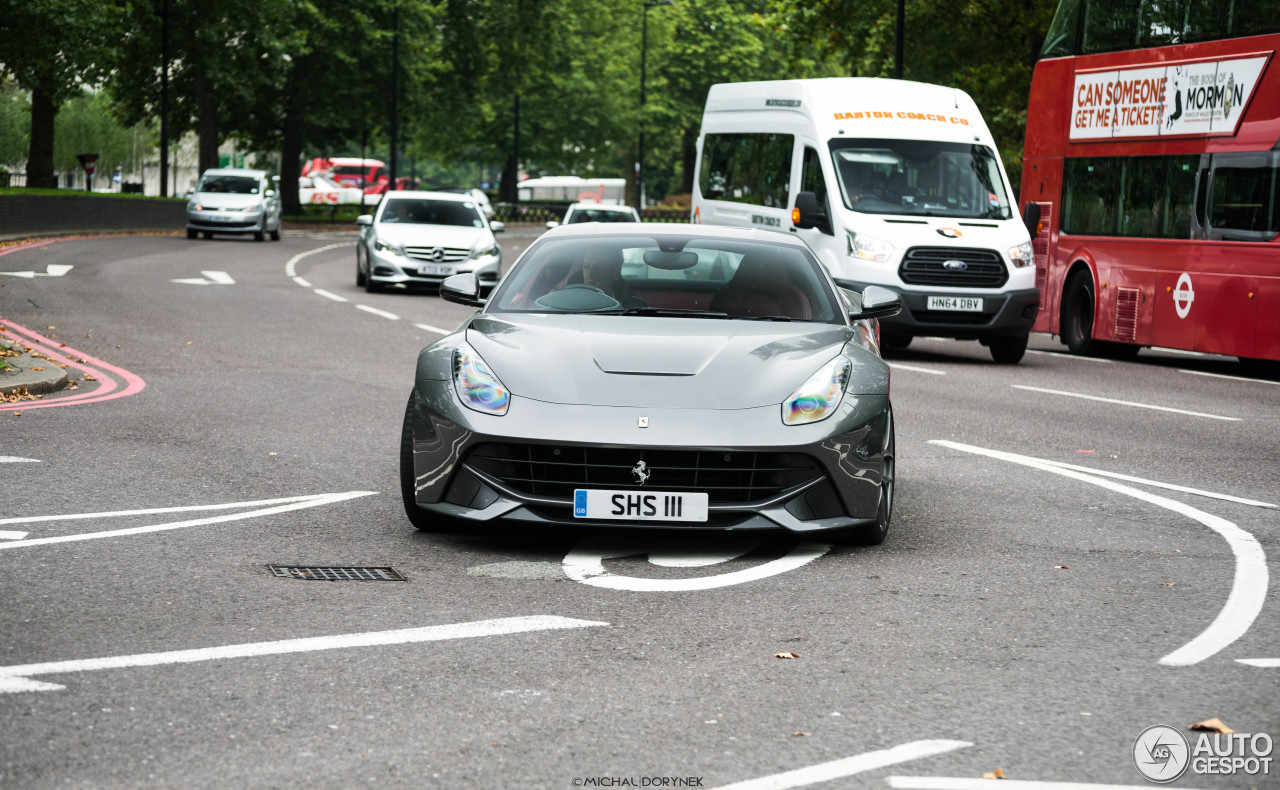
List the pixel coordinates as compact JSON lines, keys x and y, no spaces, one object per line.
{"x":597,"y":212}
{"x":420,"y":238}
{"x":235,"y":200}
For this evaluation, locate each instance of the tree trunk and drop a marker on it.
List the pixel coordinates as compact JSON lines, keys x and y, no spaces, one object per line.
{"x":40,"y":173}
{"x":207,"y":123}
{"x":689,"y":149}
{"x":294,"y":137}
{"x":508,"y":188}
{"x":631,"y":196}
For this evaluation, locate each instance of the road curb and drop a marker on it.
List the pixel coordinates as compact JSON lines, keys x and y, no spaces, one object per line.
{"x":22,"y":372}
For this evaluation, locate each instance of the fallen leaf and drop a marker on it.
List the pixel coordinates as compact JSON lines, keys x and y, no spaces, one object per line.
{"x":1210,"y":725}
{"x":1169,"y":584}
{"x":996,"y":774}
{"x":17,"y":414}
{"x":191,"y":342}
{"x":62,"y":345}
{"x":1063,"y":567}
{"x":786,"y":655}
{"x":51,"y":327}
{"x":800,"y":734}
{"x":119,"y":346}
{"x":270,"y":453}
{"x":41,"y":369}
{"x":88,"y":377}
{"x":88,"y":335}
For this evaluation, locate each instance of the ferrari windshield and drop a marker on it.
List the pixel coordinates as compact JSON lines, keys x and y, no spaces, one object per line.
{"x":669,"y":276}
{"x":424,"y":211}
{"x":920,"y":177}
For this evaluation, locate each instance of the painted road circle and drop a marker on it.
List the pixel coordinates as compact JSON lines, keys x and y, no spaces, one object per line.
{"x":1161,"y":753}
{"x":1183,"y":295}
{"x":585,"y":563}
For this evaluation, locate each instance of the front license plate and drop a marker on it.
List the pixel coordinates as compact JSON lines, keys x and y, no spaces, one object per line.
{"x":639,"y":505}
{"x":963,"y":304}
{"x":435,"y":268}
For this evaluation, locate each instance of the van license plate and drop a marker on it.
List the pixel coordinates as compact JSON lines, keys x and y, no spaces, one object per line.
{"x":963,"y":304}
{"x":639,"y":505}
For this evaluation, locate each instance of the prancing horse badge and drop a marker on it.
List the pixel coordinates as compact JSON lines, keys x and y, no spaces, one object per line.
{"x":643,"y":422}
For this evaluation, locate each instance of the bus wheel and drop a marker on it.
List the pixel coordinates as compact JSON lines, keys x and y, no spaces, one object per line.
{"x":1008,"y":350}
{"x":1077,"y":313}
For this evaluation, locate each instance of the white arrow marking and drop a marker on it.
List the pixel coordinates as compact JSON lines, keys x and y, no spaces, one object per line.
{"x":8,"y":534}
{"x":969,"y":783}
{"x":836,"y":769}
{"x":1264,"y":663}
{"x":52,"y":270}
{"x":215,"y":278}
{"x":13,"y":459}
{"x":18,"y":678}
{"x":283,"y":506}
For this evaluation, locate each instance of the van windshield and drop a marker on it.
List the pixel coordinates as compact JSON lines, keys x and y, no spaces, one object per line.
{"x":921,"y":178}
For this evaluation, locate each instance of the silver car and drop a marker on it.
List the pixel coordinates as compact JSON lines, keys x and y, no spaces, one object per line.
{"x":631,"y":375}
{"x":420,"y":238}
{"x":235,"y":200}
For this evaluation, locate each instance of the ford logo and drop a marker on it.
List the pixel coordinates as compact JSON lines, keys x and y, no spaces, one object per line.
{"x":955,"y":266}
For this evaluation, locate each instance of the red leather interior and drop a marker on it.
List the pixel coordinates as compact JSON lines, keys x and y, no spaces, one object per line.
{"x":757,"y":288}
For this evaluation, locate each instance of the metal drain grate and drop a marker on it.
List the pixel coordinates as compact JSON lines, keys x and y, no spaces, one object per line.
{"x":337,"y":574}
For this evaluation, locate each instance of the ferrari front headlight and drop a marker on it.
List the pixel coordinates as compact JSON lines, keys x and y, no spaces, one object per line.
{"x":477,"y":386}
{"x":817,"y":398}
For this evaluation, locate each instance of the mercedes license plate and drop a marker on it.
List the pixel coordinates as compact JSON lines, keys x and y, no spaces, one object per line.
{"x":639,"y":505}
{"x":435,"y":268}
{"x":963,"y":304}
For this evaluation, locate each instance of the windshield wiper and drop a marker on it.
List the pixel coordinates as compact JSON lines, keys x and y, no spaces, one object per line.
{"x":667,"y":312}
{"x":764,"y":317}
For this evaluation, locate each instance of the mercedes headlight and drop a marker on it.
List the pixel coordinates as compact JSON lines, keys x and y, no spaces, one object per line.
{"x":868,"y":248}
{"x":485,"y":252}
{"x":1021,"y":255}
{"x":478,"y":388}
{"x":391,"y":248}
{"x":818,"y":397}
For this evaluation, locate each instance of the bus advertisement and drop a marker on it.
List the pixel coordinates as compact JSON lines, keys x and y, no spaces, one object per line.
{"x":1152,"y":153}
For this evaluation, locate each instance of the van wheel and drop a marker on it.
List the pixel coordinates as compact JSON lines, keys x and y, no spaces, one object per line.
{"x":1077,"y":314}
{"x":894,"y":342}
{"x":1008,"y":350}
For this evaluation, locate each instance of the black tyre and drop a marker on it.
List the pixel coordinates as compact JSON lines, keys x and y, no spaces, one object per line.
{"x":361,"y":279}
{"x":1008,"y":350}
{"x":1078,"y":305}
{"x":874,"y":534}
{"x":207,"y":234}
{"x":275,"y":234}
{"x":371,"y":286}
{"x":260,"y":236}
{"x":419,"y":518}
{"x":893,"y":341}
{"x":191,"y":234}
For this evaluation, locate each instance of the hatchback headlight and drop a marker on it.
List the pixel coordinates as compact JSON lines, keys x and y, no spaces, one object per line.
{"x":382,"y":245}
{"x":195,"y":206}
{"x":478,"y":388}
{"x":818,"y":397}
{"x":868,"y":248}
{"x":1021,"y":255}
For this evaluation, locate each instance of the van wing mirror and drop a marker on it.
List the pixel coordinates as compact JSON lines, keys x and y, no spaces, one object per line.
{"x":806,"y":213}
{"x":1031,"y":216}
{"x":877,"y":302}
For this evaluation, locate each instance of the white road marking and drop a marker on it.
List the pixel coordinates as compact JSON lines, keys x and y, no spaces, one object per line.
{"x":1168,"y":486}
{"x":848,"y":766}
{"x":18,"y":678}
{"x":157,"y":510}
{"x":1125,"y":403}
{"x":1265,"y":663}
{"x":898,"y":366}
{"x":1062,"y":355}
{"x":215,"y":278}
{"x":376,"y":311}
{"x":50,"y":270}
{"x":302,"y":282}
{"x":293,"y":503}
{"x":436,"y":329}
{"x":969,"y":783}
{"x":1233,"y":378}
{"x":290,"y":266}
{"x":1248,"y":591}
{"x":328,"y":295}
{"x":8,"y":534}
{"x":13,"y":459}
{"x":586,"y":564}
{"x":1182,"y":351}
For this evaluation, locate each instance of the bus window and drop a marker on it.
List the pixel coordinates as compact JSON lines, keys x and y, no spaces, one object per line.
{"x":1242,"y":198}
{"x":1139,"y":197}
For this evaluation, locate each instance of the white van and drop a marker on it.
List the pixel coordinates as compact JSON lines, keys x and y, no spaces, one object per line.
{"x":892,"y":183}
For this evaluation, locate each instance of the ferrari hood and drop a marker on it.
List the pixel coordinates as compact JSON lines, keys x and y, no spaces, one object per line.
{"x":659,"y":362}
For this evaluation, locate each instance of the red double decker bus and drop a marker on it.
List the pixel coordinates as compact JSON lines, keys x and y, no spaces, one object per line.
{"x":1152,"y":152}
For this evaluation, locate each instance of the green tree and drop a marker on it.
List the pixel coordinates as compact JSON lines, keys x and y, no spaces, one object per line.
{"x":53,"y":48}
{"x":15,"y":123}
{"x":86,"y":124}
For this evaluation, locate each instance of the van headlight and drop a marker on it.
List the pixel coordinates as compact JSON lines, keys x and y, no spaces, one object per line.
{"x":1021,"y":255}
{"x":868,"y":248}
{"x":391,"y":248}
{"x":818,"y":397}
{"x":477,"y":386}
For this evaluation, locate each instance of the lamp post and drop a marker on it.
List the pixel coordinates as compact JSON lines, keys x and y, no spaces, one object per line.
{"x":644,"y":46}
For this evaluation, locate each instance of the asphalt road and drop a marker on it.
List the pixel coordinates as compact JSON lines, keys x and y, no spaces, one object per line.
{"x":1021,"y":616}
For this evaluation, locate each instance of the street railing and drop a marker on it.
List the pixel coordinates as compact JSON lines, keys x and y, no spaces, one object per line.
{"x":541,"y":213}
